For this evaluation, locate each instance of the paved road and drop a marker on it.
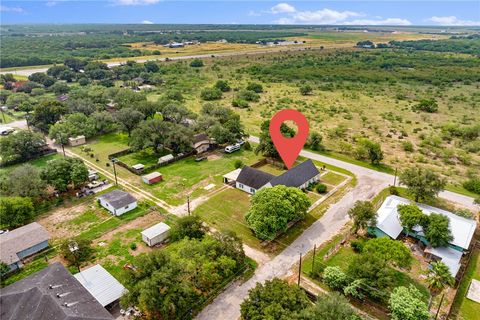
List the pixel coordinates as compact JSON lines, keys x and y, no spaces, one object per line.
{"x":384,"y":177}
{"x":27,"y":72}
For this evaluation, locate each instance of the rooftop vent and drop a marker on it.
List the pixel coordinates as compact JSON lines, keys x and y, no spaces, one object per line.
{"x":61,"y":295}
{"x":54,"y":286}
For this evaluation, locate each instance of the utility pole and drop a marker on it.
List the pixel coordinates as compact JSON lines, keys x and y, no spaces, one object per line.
{"x":313,"y":259}
{"x":299,"y":269}
{"x":63,"y":149}
{"x":115,"y":171}
{"x":188,"y":205}
{"x":439,"y":306}
{"x":73,"y":247}
{"x":3,"y":115}
{"x":395,"y":178}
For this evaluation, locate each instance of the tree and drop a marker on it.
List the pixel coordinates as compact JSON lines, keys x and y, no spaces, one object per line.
{"x":329,"y":306}
{"x":266,"y":146}
{"x":273,"y":208}
{"x":23,"y":181}
{"x":473,"y":185}
{"x":421,"y":183}
{"x":4,"y":269}
{"x":306,"y":89}
{"x":411,"y":216}
{"x":47,"y":113}
{"x":196,"y":63}
{"x":60,"y":173}
{"x":256,"y":87}
{"x":407,"y":304}
{"x":393,"y":252}
{"x":147,"y":108}
{"x":335,"y":278}
{"x":275,"y":299}
{"x":15,"y":211}
{"x":315,"y":141}
{"x":129,"y":119}
{"x":21,"y":146}
{"x":209,"y":94}
{"x":438,"y":231}
{"x":151,"y":66}
{"x":150,"y":133}
{"x":60,"y":88}
{"x":73,"y":125}
{"x":179,"y":138}
{"x":103,"y":122}
{"x":439,"y":277}
{"x":427,"y":105}
{"x":248,"y":95}
{"x":373,"y":270}
{"x":176,"y":113}
{"x":369,"y":150}
{"x":222,"y":85}
{"x":191,"y":227}
{"x":83,"y":253}
{"x":221,"y":124}
{"x":363,"y":215}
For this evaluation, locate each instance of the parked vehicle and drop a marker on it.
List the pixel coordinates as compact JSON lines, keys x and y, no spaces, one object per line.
{"x":233,"y":148}
{"x":198,"y":159}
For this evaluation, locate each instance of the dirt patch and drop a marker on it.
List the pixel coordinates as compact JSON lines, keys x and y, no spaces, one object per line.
{"x":58,"y":216}
{"x":213,"y":156}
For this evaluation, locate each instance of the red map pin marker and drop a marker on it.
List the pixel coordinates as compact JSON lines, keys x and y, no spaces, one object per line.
{"x":289,"y":148}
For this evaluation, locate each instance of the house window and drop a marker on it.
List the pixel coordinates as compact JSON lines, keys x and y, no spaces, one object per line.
{"x":252,"y":190}
{"x":126,"y":207}
{"x":240,"y":186}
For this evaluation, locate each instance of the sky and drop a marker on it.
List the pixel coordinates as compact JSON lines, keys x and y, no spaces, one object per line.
{"x":340,"y":12}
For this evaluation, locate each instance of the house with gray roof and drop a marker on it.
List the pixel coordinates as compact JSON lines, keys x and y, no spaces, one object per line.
{"x":50,"y":294}
{"x":21,"y":243}
{"x":251,"y":180}
{"x":117,"y":202}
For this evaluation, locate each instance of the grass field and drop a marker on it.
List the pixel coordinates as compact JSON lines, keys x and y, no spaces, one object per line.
{"x":466,"y":308}
{"x":39,"y":163}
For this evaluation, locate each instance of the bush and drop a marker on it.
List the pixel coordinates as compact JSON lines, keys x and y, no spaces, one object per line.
{"x":335,"y":278}
{"x":196,"y":63}
{"x":357,"y":245}
{"x":465,"y":213}
{"x":407,"y":146}
{"x":248,"y":95}
{"x":321,"y":188}
{"x":247,"y":146}
{"x":256,"y":87}
{"x":222,"y":85}
{"x":133,"y":246}
{"x":427,"y":105}
{"x":240,"y":103}
{"x":393,"y":190}
{"x":210,"y":94}
{"x":472,"y":185}
{"x":238,"y":164}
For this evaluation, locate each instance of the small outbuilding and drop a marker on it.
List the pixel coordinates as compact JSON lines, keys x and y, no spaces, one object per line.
{"x":201,"y":143}
{"x":152,"y":178}
{"x":118,"y":202}
{"x":138,"y":167}
{"x":167,"y":158}
{"x":101,"y":285}
{"x":232,"y":176}
{"x":156,"y":234}
{"x":77,"y":141}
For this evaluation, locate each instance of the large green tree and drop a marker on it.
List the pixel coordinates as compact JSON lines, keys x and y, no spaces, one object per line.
{"x":439,"y":277}
{"x":363,"y":215}
{"x":275,"y":299}
{"x":422,"y":183}
{"x":47,"y":113}
{"x":407,"y":304}
{"x":438,"y":231}
{"x":21,"y":146}
{"x":411,"y":216}
{"x":266,"y":146}
{"x":191,"y":227}
{"x":391,"y":251}
{"x":329,"y":306}
{"x":60,"y":173}
{"x":273,"y":208}
{"x":23,"y":181}
{"x":129,"y":119}
{"x":15,"y":211}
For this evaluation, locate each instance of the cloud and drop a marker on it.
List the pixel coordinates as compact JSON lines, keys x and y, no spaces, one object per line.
{"x":252,"y":13}
{"x":383,"y":22}
{"x":50,"y":3}
{"x":452,"y":21}
{"x":282,"y":8}
{"x":323,"y":16}
{"x":11,"y":9}
{"x":135,"y":2}
{"x":147,"y":22}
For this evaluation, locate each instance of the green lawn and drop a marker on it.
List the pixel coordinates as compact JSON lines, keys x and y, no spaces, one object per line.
{"x":147,"y":157}
{"x":466,"y":308}
{"x":39,"y":163}
{"x":272,"y":169}
{"x":332,"y":178}
{"x":104,"y":145}
{"x":188,"y":177}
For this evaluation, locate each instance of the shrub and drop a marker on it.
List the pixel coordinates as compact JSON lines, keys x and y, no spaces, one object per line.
{"x":321,"y":188}
{"x":248,"y":95}
{"x":472,"y":185}
{"x":133,"y":246}
{"x":247,"y":146}
{"x":210,"y":94}
{"x":335,"y":278}
{"x":464,"y":213}
{"x":240,"y":103}
{"x":407,"y":146}
{"x":238,"y":164}
{"x":357,"y":245}
{"x":196,"y":63}
{"x":256,"y":87}
{"x":393,"y":190}
{"x":427,"y":105}
{"x":222,"y":85}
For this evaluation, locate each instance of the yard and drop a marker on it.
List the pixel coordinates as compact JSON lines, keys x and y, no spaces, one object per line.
{"x":464,"y":308}
{"x":39,"y":163}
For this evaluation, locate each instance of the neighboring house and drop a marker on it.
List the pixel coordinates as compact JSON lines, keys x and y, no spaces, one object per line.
{"x":250,"y":179}
{"x":77,"y":141}
{"x":152,"y":178}
{"x":389,"y":225}
{"x":101,"y":285}
{"x":201,"y":142}
{"x":156,"y":234}
{"x":52,"y":293}
{"x":21,"y":243}
{"x":62,"y":98}
{"x":118,"y":202}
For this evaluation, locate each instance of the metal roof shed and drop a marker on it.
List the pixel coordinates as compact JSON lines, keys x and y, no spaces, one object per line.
{"x":101,"y":284}
{"x":156,"y":234}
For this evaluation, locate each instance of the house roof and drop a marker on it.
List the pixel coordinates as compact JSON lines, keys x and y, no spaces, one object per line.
{"x":152,"y":175}
{"x":449,"y":256}
{"x":20,"y":239}
{"x":254,"y":178}
{"x":118,"y":198}
{"x":233,"y":175}
{"x":297,"y":175}
{"x":32,"y":298}
{"x":101,"y":284}
{"x":200,"y":137}
{"x":156,"y":230}
{"x":389,"y":222}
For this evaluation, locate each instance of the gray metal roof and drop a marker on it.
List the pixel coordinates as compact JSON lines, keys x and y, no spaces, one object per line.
{"x":297,"y":175}
{"x":101,"y":284}
{"x":32,"y":298}
{"x":118,"y":198}
{"x":254,"y":178}
{"x":158,"y":229}
{"x":20,"y":239}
